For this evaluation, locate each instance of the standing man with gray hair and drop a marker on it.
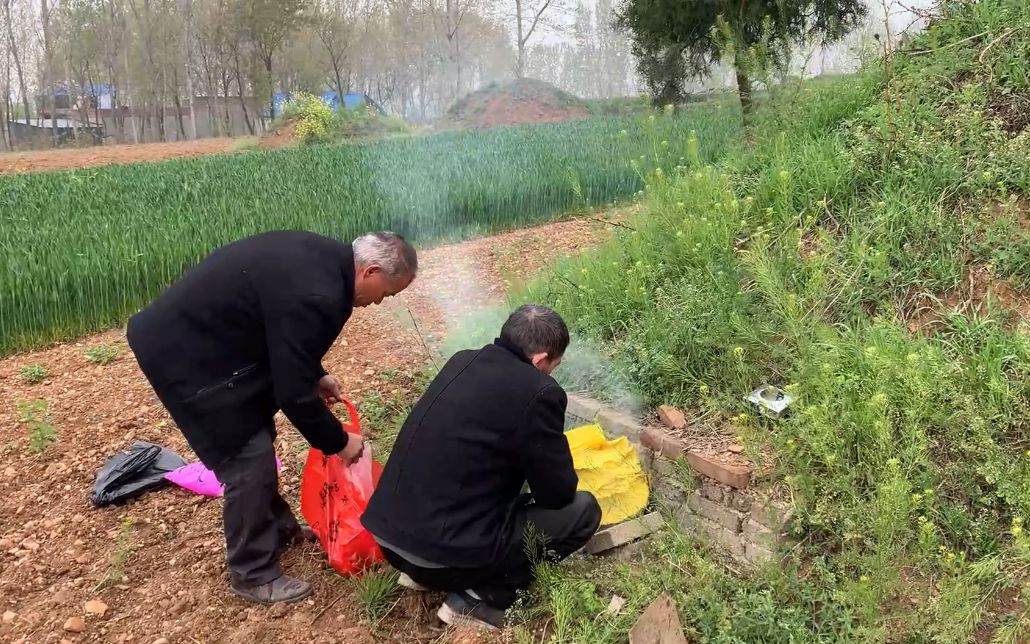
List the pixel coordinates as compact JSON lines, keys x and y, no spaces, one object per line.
{"x":241,"y":336}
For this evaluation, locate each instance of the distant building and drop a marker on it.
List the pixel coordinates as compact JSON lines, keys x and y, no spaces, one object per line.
{"x":67,"y":97}
{"x":350,"y":101}
{"x":40,"y":132}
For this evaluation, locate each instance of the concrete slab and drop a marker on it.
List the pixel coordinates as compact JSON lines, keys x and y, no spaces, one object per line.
{"x":623,"y":533}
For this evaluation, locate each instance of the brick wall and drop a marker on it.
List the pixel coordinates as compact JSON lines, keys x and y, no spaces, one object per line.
{"x":715,"y":502}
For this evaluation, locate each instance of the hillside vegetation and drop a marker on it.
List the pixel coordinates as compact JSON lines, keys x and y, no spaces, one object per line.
{"x":869,"y":252}
{"x":82,"y":249}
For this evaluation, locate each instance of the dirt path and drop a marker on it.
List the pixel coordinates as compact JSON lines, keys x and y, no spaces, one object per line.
{"x":55,"y":548}
{"x":68,"y":158}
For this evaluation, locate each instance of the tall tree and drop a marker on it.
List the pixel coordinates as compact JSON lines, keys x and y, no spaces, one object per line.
{"x":676,"y":40}
{"x":336,"y":23}
{"x":529,"y":16}
{"x":14,"y":49}
{"x":268,"y":23}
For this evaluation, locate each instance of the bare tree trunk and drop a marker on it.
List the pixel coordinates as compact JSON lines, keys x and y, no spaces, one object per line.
{"x":17,"y":60}
{"x":47,"y":83}
{"x":520,"y":65}
{"x":271,"y":86}
{"x":5,"y":107}
{"x":453,"y":20}
{"x":229,"y":130}
{"x":339,"y":79}
{"x":243,"y":100}
{"x":187,"y":29}
{"x":71,"y":105}
{"x":179,"y":117}
{"x":744,"y":91}
{"x":128,"y":97}
{"x":112,"y":73}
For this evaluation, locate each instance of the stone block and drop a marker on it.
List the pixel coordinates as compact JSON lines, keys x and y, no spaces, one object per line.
{"x":720,"y":514}
{"x":686,"y":520}
{"x":757,"y":554}
{"x":672,"y":417}
{"x":712,"y":490}
{"x":762,"y":536}
{"x":774,"y":515}
{"x":713,"y":533}
{"x":664,"y":467}
{"x":616,"y":423}
{"x":720,"y":537}
{"x":623,"y":533}
{"x":669,"y":491}
{"x":735,"y":476}
{"x":660,"y":624}
{"x":661,"y":442}
{"x":583,"y":407}
{"x":740,"y":501}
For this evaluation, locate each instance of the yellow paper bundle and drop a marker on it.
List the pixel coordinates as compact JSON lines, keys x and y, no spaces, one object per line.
{"x":610,"y":470}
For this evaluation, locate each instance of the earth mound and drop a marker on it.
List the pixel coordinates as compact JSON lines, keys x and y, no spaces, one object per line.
{"x":519,"y":102}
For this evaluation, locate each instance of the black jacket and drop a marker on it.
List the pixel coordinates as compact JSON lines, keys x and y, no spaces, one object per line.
{"x":242,"y":334}
{"x":487,"y":424}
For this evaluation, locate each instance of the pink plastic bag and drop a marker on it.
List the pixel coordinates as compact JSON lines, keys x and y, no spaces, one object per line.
{"x":197,"y":478}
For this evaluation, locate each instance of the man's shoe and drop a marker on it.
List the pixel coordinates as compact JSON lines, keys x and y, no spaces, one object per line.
{"x":462,"y":609}
{"x":409,"y":583}
{"x":303,"y":534}
{"x":284,"y":589}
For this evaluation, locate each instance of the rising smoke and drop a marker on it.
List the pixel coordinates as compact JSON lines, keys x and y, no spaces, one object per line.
{"x":471,"y":316}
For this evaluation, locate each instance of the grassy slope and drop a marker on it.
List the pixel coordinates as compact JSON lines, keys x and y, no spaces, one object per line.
{"x":816,"y":260}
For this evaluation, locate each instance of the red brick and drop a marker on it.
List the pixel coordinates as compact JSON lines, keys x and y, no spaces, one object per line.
{"x":672,"y":417}
{"x":736,"y":476}
{"x":660,"y":442}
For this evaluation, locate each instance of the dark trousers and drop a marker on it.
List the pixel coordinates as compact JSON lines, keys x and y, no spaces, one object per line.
{"x":533,"y":535}
{"x":258,"y":522}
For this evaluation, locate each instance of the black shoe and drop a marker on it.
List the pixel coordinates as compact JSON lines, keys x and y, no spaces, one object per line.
{"x":462,"y":609}
{"x":302,"y":534}
{"x":284,"y":589}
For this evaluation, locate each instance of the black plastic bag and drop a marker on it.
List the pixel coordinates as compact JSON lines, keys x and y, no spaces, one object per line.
{"x":129,"y":474}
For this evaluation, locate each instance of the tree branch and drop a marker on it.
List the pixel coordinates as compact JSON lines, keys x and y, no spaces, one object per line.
{"x":536,"y":19}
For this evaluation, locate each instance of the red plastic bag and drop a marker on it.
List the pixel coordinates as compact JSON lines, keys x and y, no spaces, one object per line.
{"x":332,"y":498}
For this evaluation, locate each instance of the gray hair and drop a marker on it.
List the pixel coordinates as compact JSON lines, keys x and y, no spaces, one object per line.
{"x":389,"y":251}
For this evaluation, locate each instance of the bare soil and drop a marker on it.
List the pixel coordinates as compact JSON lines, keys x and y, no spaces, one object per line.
{"x":55,"y":548}
{"x":71,"y":158}
{"x":980,"y":291}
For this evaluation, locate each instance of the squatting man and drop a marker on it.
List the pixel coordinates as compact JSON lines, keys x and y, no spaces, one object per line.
{"x":242,"y":335}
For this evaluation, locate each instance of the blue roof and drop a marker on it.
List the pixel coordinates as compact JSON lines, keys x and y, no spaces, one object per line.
{"x":350,"y":101}
{"x":92,"y":89}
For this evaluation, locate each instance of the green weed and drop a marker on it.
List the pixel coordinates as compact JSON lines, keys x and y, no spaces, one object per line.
{"x":102,"y":354}
{"x":42,"y":434}
{"x":122,"y":552}
{"x":32,"y":374}
{"x":376,"y":592}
